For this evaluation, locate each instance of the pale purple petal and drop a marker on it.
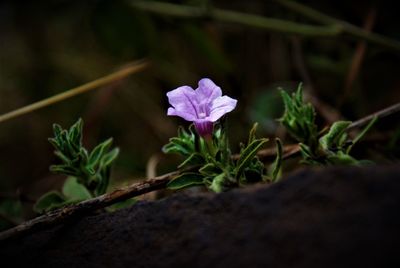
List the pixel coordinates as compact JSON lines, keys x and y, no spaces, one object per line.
{"x":184,"y":115}
{"x":207,"y":91}
{"x":221,"y":106}
{"x":184,"y":101}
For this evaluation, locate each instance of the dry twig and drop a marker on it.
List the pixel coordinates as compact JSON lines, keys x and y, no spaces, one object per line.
{"x":72,"y":211}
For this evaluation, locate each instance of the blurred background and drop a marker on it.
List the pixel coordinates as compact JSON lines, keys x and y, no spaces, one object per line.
{"x":47,"y":47}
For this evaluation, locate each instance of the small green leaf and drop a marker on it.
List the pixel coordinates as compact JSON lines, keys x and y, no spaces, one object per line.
{"x":252,"y":133}
{"x":64,"y":169}
{"x":98,"y":152}
{"x":49,"y":201}
{"x":194,"y":158}
{"x":210,"y":170}
{"x":103,"y":180}
{"x":363,"y":132}
{"x":186,"y":180}
{"x":247,"y":155}
{"x":218,"y":183}
{"x":277,"y":165}
{"x":332,"y":138}
{"x":108,"y":158}
{"x":74,"y":191}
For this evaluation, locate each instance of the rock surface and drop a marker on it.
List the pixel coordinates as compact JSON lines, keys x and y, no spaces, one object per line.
{"x":335,"y":217}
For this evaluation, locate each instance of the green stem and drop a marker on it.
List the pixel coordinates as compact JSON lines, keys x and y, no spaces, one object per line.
{"x":346,"y":27}
{"x":270,"y":24}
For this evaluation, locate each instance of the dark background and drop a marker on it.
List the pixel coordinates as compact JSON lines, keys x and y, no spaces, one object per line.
{"x":47,"y":47}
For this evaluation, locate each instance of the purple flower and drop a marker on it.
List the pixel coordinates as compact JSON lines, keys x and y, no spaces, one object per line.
{"x":202,"y":106}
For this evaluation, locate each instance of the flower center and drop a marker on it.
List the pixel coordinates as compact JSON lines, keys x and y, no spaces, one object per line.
{"x":202,"y":115}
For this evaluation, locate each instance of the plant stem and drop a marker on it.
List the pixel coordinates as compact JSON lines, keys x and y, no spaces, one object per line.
{"x":84,"y":207}
{"x":131,"y":69}
{"x":395,"y":108}
{"x":270,"y":24}
{"x":346,"y":27}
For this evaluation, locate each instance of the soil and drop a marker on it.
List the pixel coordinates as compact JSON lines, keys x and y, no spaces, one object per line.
{"x":332,"y":217}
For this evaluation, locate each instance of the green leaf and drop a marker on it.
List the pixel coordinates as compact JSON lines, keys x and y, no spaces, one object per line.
{"x":108,"y":158}
{"x":363,"y":132}
{"x":74,"y":191}
{"x":103,"y":180}
{"x":98,"y":152}
{"x":332,"y":138}
{"x":277,"y":165}
{"x":247,"y":155}
{"x":252,"y":133}
{"x":75,"y":134}
{"x":218,"y":183}
{"x":194,"y":158}
{"x":210,"y":170}
{"x":49,"y":201}
{"x":64,"y":169}
{"x":186,"y":180}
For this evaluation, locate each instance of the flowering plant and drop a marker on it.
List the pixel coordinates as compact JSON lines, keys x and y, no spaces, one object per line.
{"x":205,"y":143}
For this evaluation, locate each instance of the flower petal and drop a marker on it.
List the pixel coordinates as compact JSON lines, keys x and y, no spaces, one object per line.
{"x":221,"y":106}
{"x":184,"y":115}
{"x":207,"y":91}
{"x":183,"y":100}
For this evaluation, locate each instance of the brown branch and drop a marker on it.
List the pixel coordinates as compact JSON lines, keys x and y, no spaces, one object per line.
{"x":395,"y":108}
{"x":72,"y":211}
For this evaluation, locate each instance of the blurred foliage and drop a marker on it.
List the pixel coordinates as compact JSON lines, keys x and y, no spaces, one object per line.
{"x":50,"y":46}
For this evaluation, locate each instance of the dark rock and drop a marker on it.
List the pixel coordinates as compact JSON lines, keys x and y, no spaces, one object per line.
{"x":334,"y":217}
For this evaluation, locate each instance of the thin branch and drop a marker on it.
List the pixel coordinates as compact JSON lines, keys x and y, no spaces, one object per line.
{"x":270,"y":24}
{"x":395,"y":108}
{"x":84,"y":207}
{"x":346,"y":27}
{"x":126,"y":71}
